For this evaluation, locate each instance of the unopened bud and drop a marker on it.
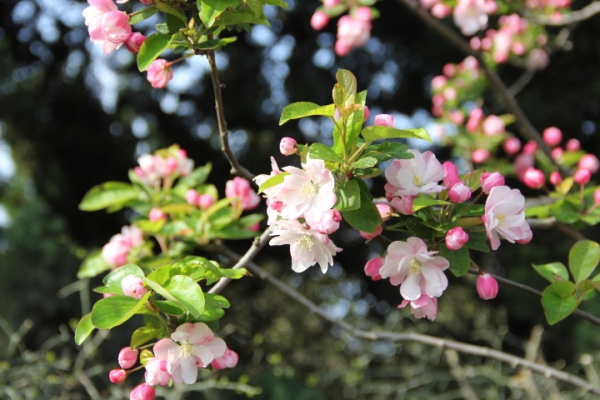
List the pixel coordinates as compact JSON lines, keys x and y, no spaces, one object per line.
{"x":133,"y":286}
{"x":319,"y":20}
{"x":127,"y":357}
{"x":512,"y":146}
{"x":456,"y":238}
{"x":555,"y":178}
{"x":288,"y":146}
{"x":459,"y":193}
{"x":205,"y":201}
{"x":573,"y":145}
{"x":156,"y":214}
{"x":369,"y":236}
{"x":534,"y":178}
{"x":487,"y":286}
{"x":384,"y":120}
{"x":372,"y":268}
{"x":489,"y":181}
{"x":192,"y":197}
{"x":582,"y":176}
{"x":552,"y":136}
{"x":142,"y":392}
{"x":117,"y":375}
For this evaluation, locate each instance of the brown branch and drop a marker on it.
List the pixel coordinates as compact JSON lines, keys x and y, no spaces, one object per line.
{"x":576,"y":16}
{"x":527,"y":289}
{"x":527,"y":129}
{"x":466,"y":348}
{"x":236,"y":168}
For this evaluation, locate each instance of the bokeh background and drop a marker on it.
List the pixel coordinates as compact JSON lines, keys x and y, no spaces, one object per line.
{"x":72,"y":117}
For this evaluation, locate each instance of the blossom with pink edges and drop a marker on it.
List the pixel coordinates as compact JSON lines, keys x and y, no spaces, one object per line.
{"x":489,"y":181}
{"x":470,"y":16}
{"x":504,"y":216}
{"x":456,"y":238}
{"x":459,"y":193}
{"x":228,"y":360}
{"x":160,"y":73}
{"x":328,"y":222}
{"x":142,"y":392}
{"x":151,"y":169}
{"x":240,"y":189}
{"x":416,"y":269}
{"x":487,"y":286}
{"x":113,"y":32}
{"x":288,"y":146}
{"x":423,"y":307}
{"x":353,"y":32}
{"x":307,"y":246}
{"x":133,"y":286}
{"x":420,"y":174}
{"x":156,"y":371}
{"x":134,"y":42}
{"x":116,"y":250}
{"x":384,"y":120}
{"x":372,"y":268}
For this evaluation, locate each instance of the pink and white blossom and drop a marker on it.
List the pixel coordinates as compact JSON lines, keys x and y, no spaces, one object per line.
{"x":134,"y":42}
{"x":470,"y":16}
{"x":133,"y":286}
{"x":372,"y":268}
{"x":420,"y":174}
{"x":156,"y":372}
{"x":160,"y":73}
{"x":307,"y":246}
{"x":459,"y":193}
{"x":384,"y":120}
{"x":487,"y":286}
{"x":352,"y":32}
{"x":456,"y":238}
{"x":151,"y":169}
{"x":504,"y":216}
{"x":328,"y":222}
{"x":116,"y":250}
{"x":423,"y":307}
{"x":240,"y":190}
{"x":489,"y":181}
{"x":228,"y":360}
{"x":416,"y":269}
{"x":112,"y":32}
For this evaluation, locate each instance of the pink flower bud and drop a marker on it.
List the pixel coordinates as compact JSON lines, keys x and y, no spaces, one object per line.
{"x":449,"y":70}
{"x":319,"y":20}
{"x":573,"y":145}
{"x":403,"y":205}
{"x":555,"y":178}
{"x":487,"y":286}
{"x":489,"y":181}
{"x":342,"y":48}
{"x":367,"y":113}
{"x":552,"y":136}
{"x":493,"y":125}
{"x":255,"y":227}
{"x":456,"y":238}
{"x":438,"y":82}
{"x":117,"y":375}
{"x":597,"y":196}
{"x":156,"y":214}
{"x":582,"y":176}
{"x":159,"y":73}
{"x":239,"y":188}
{"x":288,"y":146}
{"x":384,"y":120}
{"x":205,"y":200}
{"x":534,"y":178}
{"x":364,"y":14}
{"x":127,"y":356}
{"x":385,"y":211}
{"x":530,"y":147}
{"x":192,"y":197}
{"x":512,"y":145}
{"x":459,"y":193}
{"x":475,"y":43}
{"x":450,"y":94}
{"x":450,"y":174}
{"x":372,"y":268}
{"x":589,"y":162}
{"x":523,"y":162}
{"x":518,"y":48}
{"x":147,"y":2}
{"x":330,"y":3}
{"x":142,"y":392}
{"x":227,"y":360}
{"x":440,"y":11}
{"x":134,"y":42}
{"x":557,"y":153}
{"x":369,"y":236}
{"x":133,"y":286}
{"x":480,"y":155}
{"x":457,"y":117}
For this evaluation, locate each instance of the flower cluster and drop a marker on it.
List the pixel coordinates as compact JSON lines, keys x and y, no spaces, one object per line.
{"x":115,"y":252}
{"x":469,"y":15}
{"x":164,"y":167}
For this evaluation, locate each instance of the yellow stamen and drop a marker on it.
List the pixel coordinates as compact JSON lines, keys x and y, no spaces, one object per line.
{"x":305,"y":242}
{"x":308,"y":190}
{"x":414,"y":268}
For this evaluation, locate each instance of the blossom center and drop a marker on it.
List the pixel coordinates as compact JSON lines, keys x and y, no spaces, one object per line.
{"x":308,"y":190}
{"x":304,"y":243}
{"x":187,"y":349}
{"x":417,"y":180}
{"x":414,"y":268}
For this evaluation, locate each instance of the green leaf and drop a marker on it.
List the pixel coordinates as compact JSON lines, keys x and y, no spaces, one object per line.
{"x":142,"y":14}
{"x":348,"y":196}
{"x":93,"y":265}
{"x":472,"y":179}
{"x":583,"y":288}
{"x":170,"y":10}
{"x":459,"y":259}
{"x":305,"y":109}
{"x":478,"y":241}
{"x":552,"y":270}
{"x":423,"y":200}
{"x":344,"y":90}
{"x":354,"y":123}
{"x":169,"y":307}
{"x":367,"y":217}
{"x":187,"y":292}
{"x":388,"y":150}
{"x":84,"y":329}
{"x":233,"y":232}
{"x":106,"y":195}
{"x":216,"y":300}
{"x":239,"y":17}
{"x":278,"y":3}
{"x":211,"y":9}
{"x":372,"y":133}
{"x":215,"y":44}
{"x":416,"y":227}
{"x":113,"y":311}
{"x":565,"y":211}
{"x":152,"y":47}
{"x":365,"y":162}
{"x":211,"y":314}
{"x":272,"y":181}
{"x":583,"y":259}
{"x":113,"y":280}
{"x":196,"y":178}
{"x":143,"y":335}
{"x":233,"y":273}
{"x":151,"y":226}
{"x":322,"y":152}
{"x":565,"y":186}
{"x":558,"y":301}
{"x":174,"y":23}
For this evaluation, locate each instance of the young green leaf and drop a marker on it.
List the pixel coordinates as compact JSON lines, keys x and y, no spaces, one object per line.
{"x":372,"y":133}
{"x":459,"y":259}
{"x":170,"y":10}
{"x":142,"y":14}
{"x":366,"y":218}
{"x":196,"y":178}
{"x":240,"y":17}
{"x":583,"y":259}
{"x":478,"y":241}
{"x":143,"y":335}
{"x":558,"y":301}
{"x":84,"y":329}
{"x":152,"y":47}
{"x":344,"y":90}
{"x":93,"y":265}
{"x":272,"y":181}
{"x":348,"y":196}
{"x":106,"y":195}
{"x":322,"y":152}
{"x":113,"y":311}
{"x":211,"y":9}
{"x":305,"y":109}
{"x":365,"y":162}
{"x":423,"y":200}
{"x":552,"y":270}
{"x":187,"y":292}
{"x":388,"y":150}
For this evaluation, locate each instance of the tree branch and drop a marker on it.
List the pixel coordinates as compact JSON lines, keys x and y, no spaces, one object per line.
{"x":576,"y":16}
{"x":236,"y":168}
{"x":466,"y":348}
{"x":527,"y":129}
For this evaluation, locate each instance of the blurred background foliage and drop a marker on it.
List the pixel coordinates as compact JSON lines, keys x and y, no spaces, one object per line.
{"x":71,"y":117}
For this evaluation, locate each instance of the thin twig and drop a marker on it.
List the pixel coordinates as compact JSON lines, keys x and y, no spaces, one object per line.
{"x":458,"y":372}
{"x":520,"y":83}
{"x":507,"y":282}
{"x":466,"y":348}
{"x":527,"y":129}
{"x":236,"y":168}
{"x":576,"y":16}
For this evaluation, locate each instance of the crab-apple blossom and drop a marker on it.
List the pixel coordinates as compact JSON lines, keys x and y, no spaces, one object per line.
{"x":328,"y":222}
{"x":319,"y":20}
{"x":404,"y":205}
{"x":160,"y":73}
{"x":487,"y":286}
{"x":156,"y":372}
{"x":489,"y":181}
{"x":459,"y":193}
{"x":582,"y":176}
{"x":589,"y":162}
{"x":228,"y":360}
{"x":142,"y":392}
{"x":372,"y":268}
{"x":117,"y":375}
{"x":384,"y":120}
{"x":288,"y":146}
{"x":239,"y":189}
{"x":416,"y":269}
{"x":133,"y":286}
{"x":504,"y":216}
{"x":451,"y":177}
{"x":134,"y":42}
{"x":307,"y":246}
{"x":352,"y":32}
{"x":385,"y":211}
{"x":534,"y":178}
{"x":423,"y":307}
{"x":456,"y":238}
{"x":420,"y":174}
{"x":116,"y":250}
{"x":552,"y":136}
{"x":470,"y":16}
{"x":127,"y":357}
